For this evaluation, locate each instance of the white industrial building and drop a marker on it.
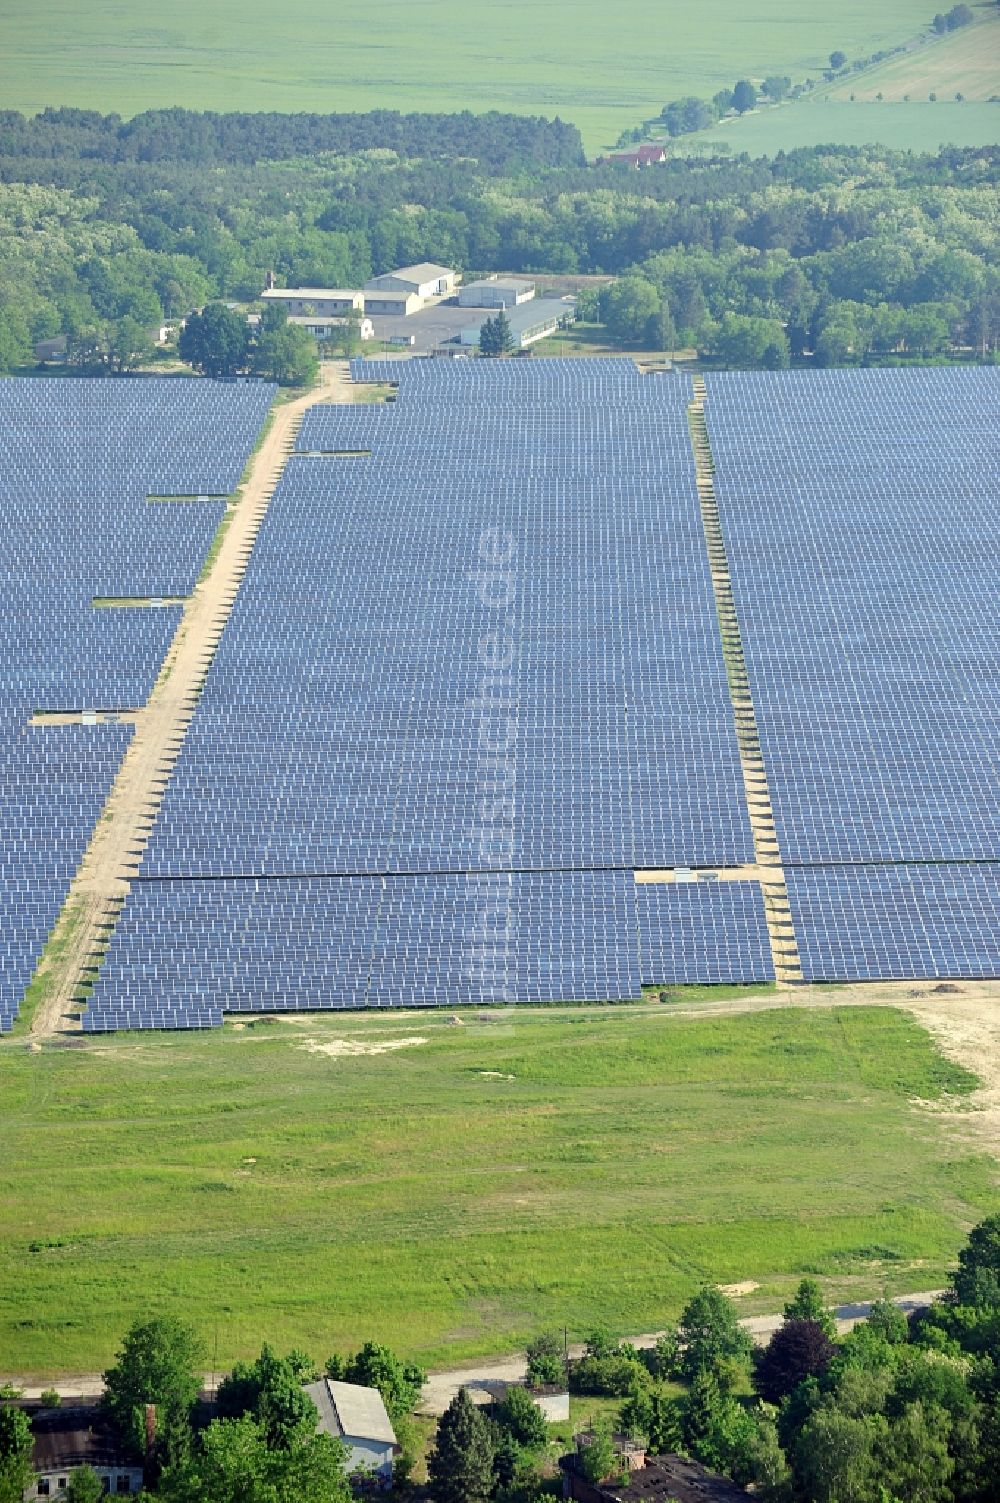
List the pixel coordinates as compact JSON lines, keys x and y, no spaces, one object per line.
{"x":495,"y":292}
{"x":391,"y":303}
{"x":327,"y":328}
{"x":323,"y":301}
{"x":323,"y":328}
{"x":425,"y":280}
{"x":535,"y":320}
{"x":357,"y":1417}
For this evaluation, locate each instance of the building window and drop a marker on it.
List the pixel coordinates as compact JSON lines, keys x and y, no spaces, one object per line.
{"x":63,"y":1484}
{"x":106,"y":1484}
{"x":123,"y":1485}
{"x":43,"y":1487}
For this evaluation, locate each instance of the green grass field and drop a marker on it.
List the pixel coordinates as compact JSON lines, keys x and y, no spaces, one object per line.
{"x":966,"y":61}
{"x":551,"y":1168}
{"x":903,"y":127}
{"x":574,"y":58}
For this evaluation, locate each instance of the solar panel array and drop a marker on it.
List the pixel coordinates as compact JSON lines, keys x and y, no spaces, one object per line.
{"x":703,"y":932}
{"x":488,"y":648}
{"x":473,"y":679}
{"x":860,"y":515}
{"x":78,"y":461}
{"x":867,"y":923}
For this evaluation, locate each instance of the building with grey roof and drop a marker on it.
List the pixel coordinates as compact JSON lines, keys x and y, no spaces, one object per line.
{"x":531,"y":322}
{"x":495,"y":292}
{"x":357,"y":1416}
{"x":426,"y":279}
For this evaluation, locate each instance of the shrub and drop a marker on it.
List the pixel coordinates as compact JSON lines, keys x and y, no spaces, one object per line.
{"x":605,"y":1377}
{"x":521,"y":1417}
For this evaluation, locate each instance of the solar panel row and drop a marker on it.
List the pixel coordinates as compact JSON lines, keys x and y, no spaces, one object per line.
{"x":446,"y":628}
{"x":191,"y":946}
{"x":79,"y":462}
{"x":859,"y":513}
{"x":474,"y":677}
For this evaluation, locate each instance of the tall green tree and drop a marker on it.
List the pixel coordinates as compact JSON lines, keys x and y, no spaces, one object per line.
{"x":286,"y":355}
{"x":84,"y":1486}
{"x":235,"y":1464}
{"x":376,"y":1366}
{"x":744,"y":96}
{"x":129,"y":344}
{"x":712,"y":1339}
{"x":160,"y":1362}
{"x":520,"y":1415}
{"x":597,"y":1457}
{"x":915,"y":1461}
{"x":809,"y":1304}
{"x":460,"y":1467}
{"x":270,"y":1390}
{"x":628,"y":308}
{"x":746,"y":342}
{"x":976,"y":1281}
{"x":835,"y":1459}
{"x":653,"y":1412}
{"x":495,"y":336}
{"x":215,"y":341}
{"x":15,"y":1454}
{"x":546,"y":1360}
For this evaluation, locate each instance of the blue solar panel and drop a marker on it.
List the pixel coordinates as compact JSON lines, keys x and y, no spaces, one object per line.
{"x":702,"y":933}
{"x":880,"y":923}
{"x":349,"y":723}
{"x":859,"y":509}
{"x":81,"y":463}
{"x":320,"y":943}
{"x":474,"y":677}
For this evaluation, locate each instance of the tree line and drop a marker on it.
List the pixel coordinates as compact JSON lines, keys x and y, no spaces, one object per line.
{"x":497,"y":140}
{"x":846,"y":254}
{"x":900,"y":1410}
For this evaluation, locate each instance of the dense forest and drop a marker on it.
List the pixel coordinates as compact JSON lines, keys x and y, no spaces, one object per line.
{"x":828,"y":254}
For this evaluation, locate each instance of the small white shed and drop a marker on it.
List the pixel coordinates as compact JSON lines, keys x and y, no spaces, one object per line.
{"x":357,"y":1416}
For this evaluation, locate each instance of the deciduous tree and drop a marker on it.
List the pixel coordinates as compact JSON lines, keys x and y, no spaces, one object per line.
{"x":15,"y":1454}
{"x":798,"y":1349}
{"x":159,"y":1363}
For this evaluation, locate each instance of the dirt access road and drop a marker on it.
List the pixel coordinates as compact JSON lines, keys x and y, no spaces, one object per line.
{"x":102,"y":880}
{"x":490,"y":1376}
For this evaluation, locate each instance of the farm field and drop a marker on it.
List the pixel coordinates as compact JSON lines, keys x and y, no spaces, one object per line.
{"x":571,"y":59}
{"x":967,"y":62}
{"x":901,"y":127}
{"x":473,"y":1182}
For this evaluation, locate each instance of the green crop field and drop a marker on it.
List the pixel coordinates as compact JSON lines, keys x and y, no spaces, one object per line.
{"x":576,"y":58}
{"x":472,"y":1184}
{"x":903,"y":127}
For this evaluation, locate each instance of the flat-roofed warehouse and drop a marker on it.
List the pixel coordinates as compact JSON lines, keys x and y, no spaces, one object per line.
{"x":534,"y":321}
{"x":495,"y":292}
{"x":426,"y":279}
{"x":323,"y":301}
{"x":391,"y":303}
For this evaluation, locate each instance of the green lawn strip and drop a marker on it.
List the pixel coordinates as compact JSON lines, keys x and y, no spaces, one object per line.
{"x":275,"y":1193}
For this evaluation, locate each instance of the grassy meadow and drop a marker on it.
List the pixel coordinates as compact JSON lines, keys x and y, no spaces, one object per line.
{"x":966,"y":61}
{"x":575,"y":58}
{"x":916,"y":126}
{"x":452,"y":1195}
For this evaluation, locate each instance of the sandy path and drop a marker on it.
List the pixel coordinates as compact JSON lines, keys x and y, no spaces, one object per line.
{"x":487,"y":1376}
{"x":441,"y":1388}
{"x":123,"y":829}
